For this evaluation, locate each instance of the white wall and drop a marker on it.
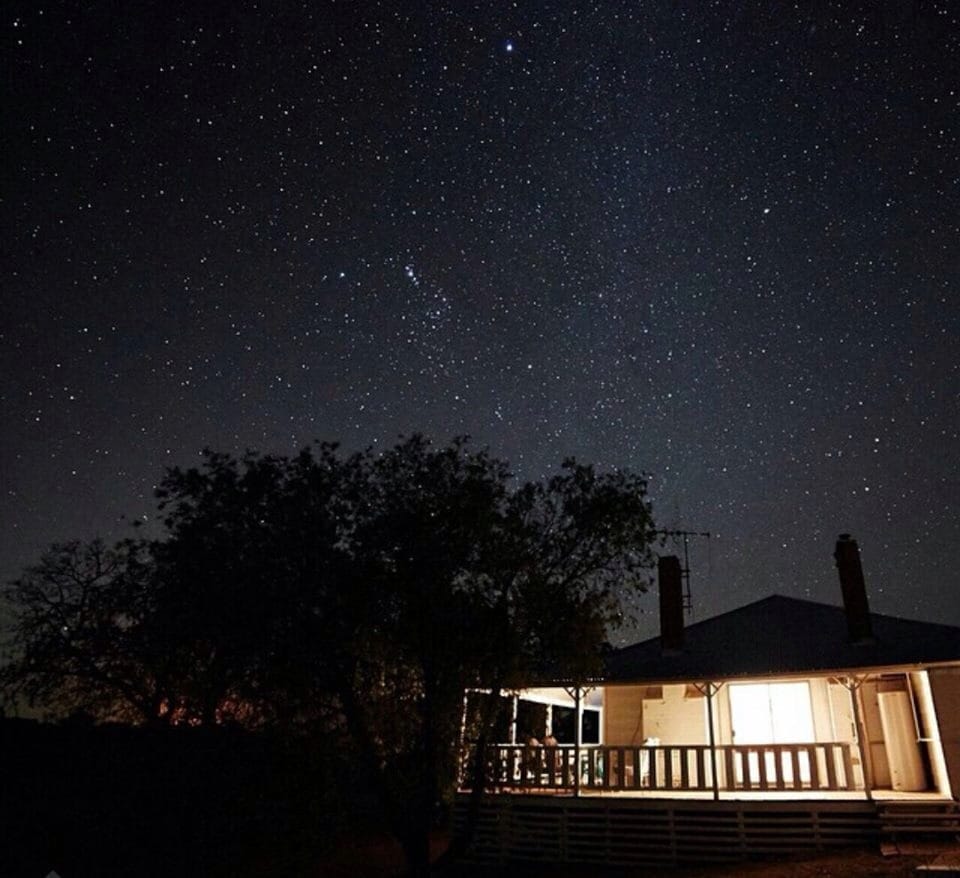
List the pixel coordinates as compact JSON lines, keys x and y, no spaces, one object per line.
{"x":623,"y":715}
{"x":945,"y":687}
{"x":679,"y":717}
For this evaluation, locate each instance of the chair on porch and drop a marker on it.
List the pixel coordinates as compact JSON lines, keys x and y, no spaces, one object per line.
{"x":532,"y":759}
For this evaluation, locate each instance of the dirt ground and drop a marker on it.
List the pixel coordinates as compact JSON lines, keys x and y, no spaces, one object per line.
{"x":377,"y":857}
{"x":859,"y":864}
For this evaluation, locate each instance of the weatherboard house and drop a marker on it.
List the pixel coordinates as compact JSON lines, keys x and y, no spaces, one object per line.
{"x":781,"y":727}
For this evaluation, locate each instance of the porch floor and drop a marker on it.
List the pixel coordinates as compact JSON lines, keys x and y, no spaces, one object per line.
{"x":740,"y":795}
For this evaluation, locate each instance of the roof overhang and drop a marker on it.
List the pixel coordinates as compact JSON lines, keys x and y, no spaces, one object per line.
{"x":853,"y":671}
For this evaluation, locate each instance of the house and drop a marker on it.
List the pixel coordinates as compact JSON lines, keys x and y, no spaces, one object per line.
{"x":784,"y":725}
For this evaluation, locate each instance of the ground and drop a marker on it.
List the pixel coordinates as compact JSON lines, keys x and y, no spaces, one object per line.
{"x":379,"y":857}
{"x":859,"y":864}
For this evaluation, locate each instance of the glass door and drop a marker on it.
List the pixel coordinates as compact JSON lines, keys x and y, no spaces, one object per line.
{"x":772,"y":713}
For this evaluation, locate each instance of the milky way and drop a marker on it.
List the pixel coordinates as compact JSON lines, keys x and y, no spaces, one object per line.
{"x":714,"y":241}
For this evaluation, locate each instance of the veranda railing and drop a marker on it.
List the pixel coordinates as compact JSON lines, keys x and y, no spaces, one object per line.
{"x":665,"y":767}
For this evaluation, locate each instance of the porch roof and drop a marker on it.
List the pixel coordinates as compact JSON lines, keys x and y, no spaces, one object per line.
{"x":782,"y":635}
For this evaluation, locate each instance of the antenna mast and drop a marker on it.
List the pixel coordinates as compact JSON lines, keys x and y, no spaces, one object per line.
{"x":685,"y":535}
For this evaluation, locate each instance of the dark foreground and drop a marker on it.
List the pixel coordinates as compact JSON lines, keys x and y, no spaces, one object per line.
{"x":95,"y":802}
{"x":377,"y":857}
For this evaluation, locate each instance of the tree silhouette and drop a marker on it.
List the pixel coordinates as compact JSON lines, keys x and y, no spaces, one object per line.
{"x":82,"y":615}
{"x":247,"y":577}
{"x":465,"y":580}
{"x":365,"y":593}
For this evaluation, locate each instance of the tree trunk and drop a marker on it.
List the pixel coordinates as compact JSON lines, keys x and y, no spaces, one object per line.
{"x":398,"y":815}
{"x":460,"y":843}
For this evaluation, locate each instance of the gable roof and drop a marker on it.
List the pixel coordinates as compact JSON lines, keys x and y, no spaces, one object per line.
{"x":782,"y":635}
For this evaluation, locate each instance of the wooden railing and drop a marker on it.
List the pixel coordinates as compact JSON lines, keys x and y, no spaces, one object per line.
{"x":761,"y":767}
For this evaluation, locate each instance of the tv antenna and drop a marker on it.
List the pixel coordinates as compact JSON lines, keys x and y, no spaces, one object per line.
{"x":685,"y":536}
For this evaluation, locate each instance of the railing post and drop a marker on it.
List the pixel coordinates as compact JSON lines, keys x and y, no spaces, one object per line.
{"x":814,"y":757}
{"x":796,"y":768}
{"x":762,"y":768}
{"x":848,"y":772}
{"x":831,"y":763}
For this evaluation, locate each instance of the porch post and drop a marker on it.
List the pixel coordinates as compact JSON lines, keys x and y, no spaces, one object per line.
{"x":461,"y":750}
{"x":711,"y":690}
{"x":577,"y":738}
{"x":853,"y":685}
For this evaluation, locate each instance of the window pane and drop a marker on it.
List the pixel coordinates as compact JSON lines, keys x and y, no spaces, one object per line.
{"x":531,"y":721}
{"x":591,"y":727}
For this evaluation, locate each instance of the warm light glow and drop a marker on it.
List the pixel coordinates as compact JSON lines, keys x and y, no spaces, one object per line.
{"x":772,"y":713}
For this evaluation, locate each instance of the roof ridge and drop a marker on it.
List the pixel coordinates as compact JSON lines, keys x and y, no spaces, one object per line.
{"x":777,"y":597}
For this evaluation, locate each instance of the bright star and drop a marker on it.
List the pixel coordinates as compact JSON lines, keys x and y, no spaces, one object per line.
{"x":509,"y":46}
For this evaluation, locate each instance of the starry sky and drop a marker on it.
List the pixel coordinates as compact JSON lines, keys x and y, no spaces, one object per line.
{"x":714,"y":240}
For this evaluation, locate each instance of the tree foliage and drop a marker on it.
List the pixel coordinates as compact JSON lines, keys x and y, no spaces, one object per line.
{"x":363,"y":592}
{"x":82,"y":620}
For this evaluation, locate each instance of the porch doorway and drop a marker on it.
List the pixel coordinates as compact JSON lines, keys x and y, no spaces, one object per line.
{"x":773,"y":713}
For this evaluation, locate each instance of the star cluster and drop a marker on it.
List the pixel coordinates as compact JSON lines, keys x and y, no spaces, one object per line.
{"x":714,"y":241}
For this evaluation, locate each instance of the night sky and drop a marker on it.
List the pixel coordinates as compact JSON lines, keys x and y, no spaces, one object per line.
{"x":715,"y":241}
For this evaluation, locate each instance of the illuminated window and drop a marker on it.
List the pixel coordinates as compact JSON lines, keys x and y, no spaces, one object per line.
{"x":771,"y":713}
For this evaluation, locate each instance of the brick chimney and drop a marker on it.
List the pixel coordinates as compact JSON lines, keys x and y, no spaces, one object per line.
{"x":671,"y":604}
{"x":847,"y":556}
